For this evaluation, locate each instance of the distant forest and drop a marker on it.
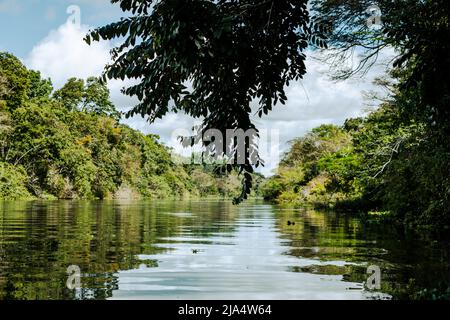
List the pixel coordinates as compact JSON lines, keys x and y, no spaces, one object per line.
{"x":69,"y":144}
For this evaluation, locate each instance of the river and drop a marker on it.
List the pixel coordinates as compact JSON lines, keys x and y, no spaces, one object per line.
{"x":204,"y":250}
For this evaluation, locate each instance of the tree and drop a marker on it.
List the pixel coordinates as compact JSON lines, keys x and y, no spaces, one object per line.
{"x":52,"y":150}
{"x":97,"y":99}
{"x":211,"y":59}
{"x":92,"y":96}
{"x":5,"y":130}
{"x":4,"y":86}
{"x":318,"y":169}
{"x":39,"y":88}
{"x":15,"y":80}
{"x":18,"y":84}
{"x":419,"y":30}
{"x":71,"y":94}
{"x":405,"y":144}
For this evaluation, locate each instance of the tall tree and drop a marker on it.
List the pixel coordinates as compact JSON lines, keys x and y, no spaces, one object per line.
{"x":71,"y":94}
{"x":39,"y":88}
{"x":210,"y":59}
{"x":97,"y":99}
{"x":15,"y":80}
{"x":90,"y":96}
{"x":418,"y":29}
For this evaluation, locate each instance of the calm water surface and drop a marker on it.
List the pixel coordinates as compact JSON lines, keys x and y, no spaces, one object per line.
{"x":202,"y":250}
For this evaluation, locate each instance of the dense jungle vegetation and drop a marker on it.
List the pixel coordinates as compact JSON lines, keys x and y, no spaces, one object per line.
{"x":396,"y":160}
{"x":69,"y":144}
{"x":382,"y":163}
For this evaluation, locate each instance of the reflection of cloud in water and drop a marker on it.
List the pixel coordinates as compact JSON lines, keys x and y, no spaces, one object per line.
{"x":249,"y":262}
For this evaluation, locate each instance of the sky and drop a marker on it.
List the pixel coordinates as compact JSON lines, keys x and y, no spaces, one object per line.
{"x":47,"y":38}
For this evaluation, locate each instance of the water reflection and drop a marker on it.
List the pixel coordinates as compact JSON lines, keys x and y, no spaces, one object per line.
{"x":199,"y":249}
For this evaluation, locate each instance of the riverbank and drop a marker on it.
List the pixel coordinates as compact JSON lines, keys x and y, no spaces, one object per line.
{"x":70,"y":144}
{"x":346,"y":168}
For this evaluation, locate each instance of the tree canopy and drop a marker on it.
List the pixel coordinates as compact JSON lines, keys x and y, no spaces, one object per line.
{"x":211,"y":59}
{"x":92,"y":96}
{"x":15,"y":82}
{"x":418,"y":30}
{"x":396,"y":158}
{"x":70,"y":145}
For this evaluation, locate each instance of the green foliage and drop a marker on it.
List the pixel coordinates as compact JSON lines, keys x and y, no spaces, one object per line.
{"x":5,"y":131}
{"x":12,"y":182}
{"x":204,"y":182}
{"x":396,"y":159}
{"x":71,"y":145}
{"x":320,"y":141}
{"x":272,"y":189}
{"x":319,"y":164}
{"x":15,"y":81}
{"x":232,"y":52}
{"x":71,"y":94}
{"x":92,"y":96}
{"x":378,"y":162}
{"x":97,"y":100}
{"x":39,"y":88}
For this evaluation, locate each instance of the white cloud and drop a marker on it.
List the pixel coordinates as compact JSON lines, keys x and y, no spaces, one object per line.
{"x":311,"y":102}
{"x":64,"y":54}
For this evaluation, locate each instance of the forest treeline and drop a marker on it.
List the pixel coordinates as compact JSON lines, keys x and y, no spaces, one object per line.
{"x":69,"y":144}
{"x":396,"y":160}
{"x":383,"y":164}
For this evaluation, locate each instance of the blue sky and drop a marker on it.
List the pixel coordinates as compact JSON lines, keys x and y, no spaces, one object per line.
{"x":26,"y":22}
{"x":38,"y":32}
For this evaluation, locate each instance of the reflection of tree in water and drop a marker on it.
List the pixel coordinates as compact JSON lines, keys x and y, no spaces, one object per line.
{"x":40,"y":240}
{"x":330,"y":236}
{"x":100,"y":239}
{"x":319,"y":234}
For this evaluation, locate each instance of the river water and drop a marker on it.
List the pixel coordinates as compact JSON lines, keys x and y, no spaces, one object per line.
{"x":204,"y":250}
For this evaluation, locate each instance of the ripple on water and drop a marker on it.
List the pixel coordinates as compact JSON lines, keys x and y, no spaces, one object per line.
{"x":198,"y":250}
